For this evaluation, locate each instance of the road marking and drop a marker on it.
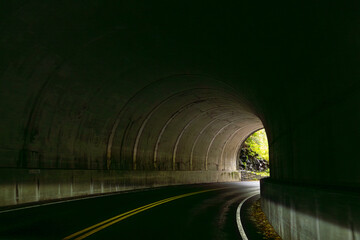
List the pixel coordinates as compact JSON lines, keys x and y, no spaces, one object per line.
{"x":238,"y":218}
{"x":104,"y":224}
{"x":79,"y":198}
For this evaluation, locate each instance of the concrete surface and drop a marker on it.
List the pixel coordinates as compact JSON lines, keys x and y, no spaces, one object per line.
{"x":250,"y":176}
{"x":178,"y":85}
{"x":311,"y":212}
{"x":20,"y":186}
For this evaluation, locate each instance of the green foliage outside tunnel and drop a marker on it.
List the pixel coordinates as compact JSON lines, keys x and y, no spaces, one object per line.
{"x":258,"y":144}
{"x":254,"y":154}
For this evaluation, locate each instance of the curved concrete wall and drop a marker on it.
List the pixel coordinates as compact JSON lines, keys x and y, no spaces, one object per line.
{"x":176,"y":86}
{"x":77,"y":97}
{"x":144,"y":133}
{"x":186,"y":123}
{"x":299,"y":211}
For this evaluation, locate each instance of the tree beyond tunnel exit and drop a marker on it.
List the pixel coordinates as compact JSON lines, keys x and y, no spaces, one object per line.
{"x":254,"y":154}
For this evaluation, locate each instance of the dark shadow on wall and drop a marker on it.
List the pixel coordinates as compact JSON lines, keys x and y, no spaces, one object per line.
{"x":312,"y":210}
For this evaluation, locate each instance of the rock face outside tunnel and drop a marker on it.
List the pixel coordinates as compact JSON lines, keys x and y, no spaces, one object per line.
{"x":252,"y":163}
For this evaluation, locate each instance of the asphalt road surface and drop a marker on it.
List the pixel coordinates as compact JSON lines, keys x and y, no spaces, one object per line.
{"x":202,"y":211}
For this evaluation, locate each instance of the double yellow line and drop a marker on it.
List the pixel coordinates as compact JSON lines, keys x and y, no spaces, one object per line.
{"x":104,"y":224}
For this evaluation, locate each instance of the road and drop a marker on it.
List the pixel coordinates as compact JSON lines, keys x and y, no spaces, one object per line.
{"x":203,"y":211}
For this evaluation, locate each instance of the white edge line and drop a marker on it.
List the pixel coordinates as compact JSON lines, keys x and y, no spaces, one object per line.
{"x":77,"y":198}
{"x":238,"y":219}
{"x":53,"y":203}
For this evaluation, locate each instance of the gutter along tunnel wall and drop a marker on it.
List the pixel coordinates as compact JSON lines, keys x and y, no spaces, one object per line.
{"x":108,"y":96}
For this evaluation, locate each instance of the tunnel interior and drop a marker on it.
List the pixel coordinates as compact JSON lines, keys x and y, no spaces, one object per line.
{"x":110,"y":96}
{"x":185,"y":124}
{"x":178,"y":123}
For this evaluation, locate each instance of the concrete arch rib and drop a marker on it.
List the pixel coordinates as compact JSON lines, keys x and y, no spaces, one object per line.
{"x":141,"y":129}
{"x":239,"y":143}
{"x":237,"y":148}
{"x":223,"y":148}
{"x":174,"y":115}
{"x":136,"y":96}
{"x":197,"y":84}
{"x":212,"y":140}
{"x":221,"y":160}
{"x":117,"y":122}
{"x":184,"y":129}
{"x":202,"y":131}
{"x":183,"y":108}
{"x":150,"y":114}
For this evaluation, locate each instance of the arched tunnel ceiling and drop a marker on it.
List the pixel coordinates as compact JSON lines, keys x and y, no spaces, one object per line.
{"x":180,"y":123}
{"x":140,"y":85}
{"x":183,"y":122}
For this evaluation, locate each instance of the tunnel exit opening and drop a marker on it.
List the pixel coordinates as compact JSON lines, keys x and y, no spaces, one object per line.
{"x":253,"y":154}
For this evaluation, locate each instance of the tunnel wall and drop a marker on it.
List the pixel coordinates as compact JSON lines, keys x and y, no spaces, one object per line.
{"x":82,"y":95}
{"x":311,"y":212}
{"x":23,"y":186}
{"x":179,"y":130}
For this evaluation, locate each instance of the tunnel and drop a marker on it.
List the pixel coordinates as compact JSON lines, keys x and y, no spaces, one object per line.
{"x":107,"y":96}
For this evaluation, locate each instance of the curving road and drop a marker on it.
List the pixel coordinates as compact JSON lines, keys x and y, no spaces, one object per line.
{"x":206,"y":211}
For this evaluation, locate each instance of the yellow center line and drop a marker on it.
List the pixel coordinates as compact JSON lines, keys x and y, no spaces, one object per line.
{"x":104,"y":224}
{"x":110,"y":219}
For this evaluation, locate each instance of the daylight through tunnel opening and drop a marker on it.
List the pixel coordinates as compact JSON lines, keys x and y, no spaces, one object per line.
{"x":254,"y":154}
